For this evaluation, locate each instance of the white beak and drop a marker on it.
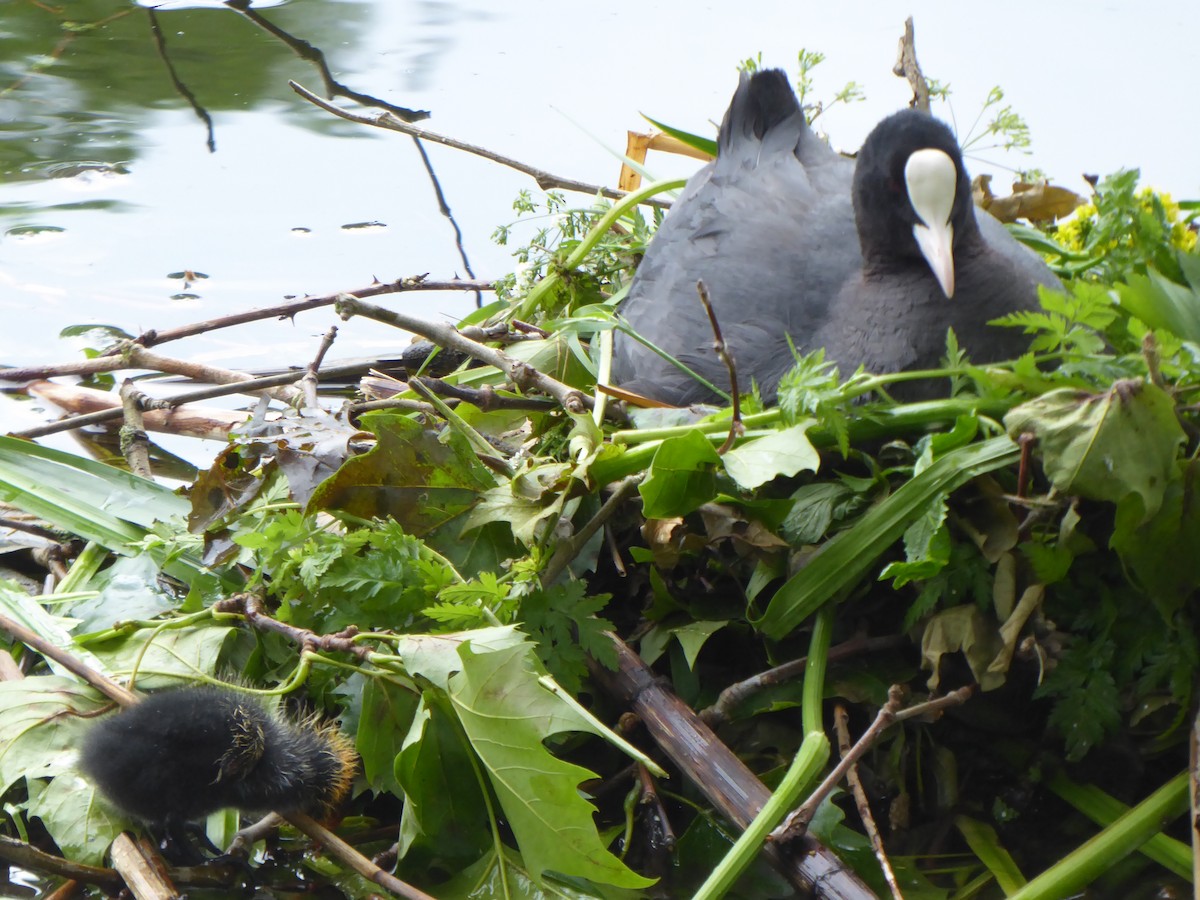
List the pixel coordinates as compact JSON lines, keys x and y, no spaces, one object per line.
{"x":932,"y":180}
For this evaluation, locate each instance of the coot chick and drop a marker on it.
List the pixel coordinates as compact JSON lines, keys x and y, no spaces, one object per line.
{"x":182,"y":754}
{"x":770,"y":228}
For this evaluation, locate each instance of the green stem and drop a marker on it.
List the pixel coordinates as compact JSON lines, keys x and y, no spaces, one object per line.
{"x":808,"y":763}
{"x":1083,"y":865}
{"x":1104,"y":809}
{"x":882,"y":424}
{"x":535,"y":297}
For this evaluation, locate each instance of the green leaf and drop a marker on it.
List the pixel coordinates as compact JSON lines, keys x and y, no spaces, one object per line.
{"x":445,"y":814}
{"x":842,"y":561}
{"x":1105,"y":446}
{"x":1161,"y":553}
{"x":40,"y":726}
{"x":411,"y":475}
{"x":387,"y":713}
{"x":80,"y":821}
{"x":681,"y":477}
{"x":785,"y":452}
{"x":507,"y":715}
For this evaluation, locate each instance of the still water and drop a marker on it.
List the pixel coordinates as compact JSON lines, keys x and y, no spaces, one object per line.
{"x":140,"y":146}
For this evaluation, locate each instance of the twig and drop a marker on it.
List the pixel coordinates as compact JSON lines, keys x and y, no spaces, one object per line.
{"x":544,"y":179}
{"x":293,"y":307}
{"x":160,"y":44}
{"x":250,"y":606}
{"x":142,"y":869}
{"x":26,"y":856}
{"x":250,"y":386}
{"x":735,"y":424}
{"x":307,"y":51}
{"x":796,"y":824}
{"x":444,"y":209}
{"x":308,"y":384}
{"x":650,"y":797}
{"x":135,"y":443}
{"x":841,"y":726}
{"x":346,"y":854}
{"x":907,"y":67}
{"x":131,"y":355}
{"x":737,"y":694}
{"x":570,"y":548}
{"x":102,"y":683}
{"x":523,"y":375}
{"x":484,"y":397}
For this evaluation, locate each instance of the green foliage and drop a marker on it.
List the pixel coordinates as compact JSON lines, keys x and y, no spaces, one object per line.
{"x":327,"y":579}
{"x":567,"y":627}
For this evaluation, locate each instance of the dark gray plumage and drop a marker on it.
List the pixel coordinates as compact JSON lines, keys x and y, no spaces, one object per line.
{"x":770,"y":228}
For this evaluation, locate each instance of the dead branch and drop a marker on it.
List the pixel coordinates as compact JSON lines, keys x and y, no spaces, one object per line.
{"x":715,"y":770}
{"x":545,"y":180}
{"x":523,"y":375}
{"x":842,"y":727}
{"x":907,"y":67}
{"x":796,"y":824}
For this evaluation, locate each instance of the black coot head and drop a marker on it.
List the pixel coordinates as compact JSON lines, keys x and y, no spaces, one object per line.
{"x":912,"y":198}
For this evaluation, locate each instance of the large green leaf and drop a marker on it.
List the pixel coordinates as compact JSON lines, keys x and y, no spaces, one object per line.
{"x":681,"y":477}
{"x":410,"y":475}
{"x":39,"y":726}
{"x":507,"y":714}
{"x":445,"y":812}
{"x":786,"y":452}
{"x":86,"y":498}
{"x":845,"y":559}
{"x":1105,"y":446}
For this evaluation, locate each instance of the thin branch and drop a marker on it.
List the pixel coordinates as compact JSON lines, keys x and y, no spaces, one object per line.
{"x":102,"y":683}
{"x":250,"y":606}
{"x":571,"y":547}
{"x":841,"y":726}
{"x":545,"y":180}
{"x":523,"y":375}
{"x":444,"y":209}
{"x":796,"y":824}
{"x":308,"y":384}
{"x":160,"y":43}
{"x":736,"y":428}
{"x":346,"y":854}
{"x":292,"y":307}
{"x":307,"y":51}
{"x":135,"y":443}
{"x":738,"y":693}
{"x":28,"y":857}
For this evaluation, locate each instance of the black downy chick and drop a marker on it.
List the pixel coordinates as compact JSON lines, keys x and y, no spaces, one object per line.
{"x":182,"y":754}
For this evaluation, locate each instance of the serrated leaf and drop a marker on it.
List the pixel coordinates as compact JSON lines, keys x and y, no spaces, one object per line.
{"x":507,"y":715}
{"x":1105,"y":446}
{"x":785,"y":452}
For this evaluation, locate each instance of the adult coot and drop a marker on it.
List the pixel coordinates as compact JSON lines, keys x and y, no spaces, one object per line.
{"x":769,"y":226}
